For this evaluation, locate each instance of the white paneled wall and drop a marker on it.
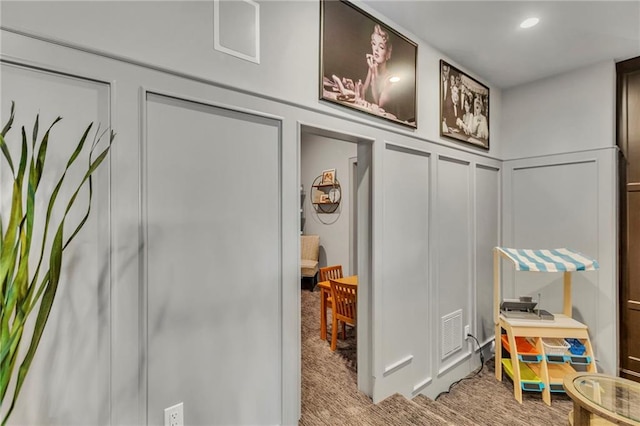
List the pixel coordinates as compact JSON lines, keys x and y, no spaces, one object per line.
{"x":71,"y":368}
{"x":196,"y":289}
{"x":454,"y":242}
{"x":198,"y":217}
{"x":175,"y":289}
{"x":178,"y":166}
{"x":560,"y":191}
{"x":437,"y":218}
{"x":211,"y":192}
{"x":487,"y":236}
{"x":567,"y":201}
{"x":404,"y":332}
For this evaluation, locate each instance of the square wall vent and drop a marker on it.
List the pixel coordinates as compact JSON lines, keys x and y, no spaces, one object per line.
{"x":236,"y":28}
{"x":451,"y":332}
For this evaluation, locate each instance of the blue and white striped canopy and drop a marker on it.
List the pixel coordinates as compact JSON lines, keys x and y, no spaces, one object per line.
{"x":551,"y":260}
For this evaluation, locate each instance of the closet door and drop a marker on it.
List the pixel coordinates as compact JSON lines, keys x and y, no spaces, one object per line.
{"x":629,"y":143}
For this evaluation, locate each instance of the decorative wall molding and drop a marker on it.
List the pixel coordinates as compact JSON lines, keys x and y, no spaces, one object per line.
{"x":579,"y":190}
{"x":159,"y":220}
{"x":401,"y":363}
{"x":421,"y":385}
{"x":348,"y":118}
{"x":79,"y":356}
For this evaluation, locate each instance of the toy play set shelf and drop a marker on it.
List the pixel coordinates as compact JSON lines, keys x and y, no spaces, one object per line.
{"x":541,"y":352}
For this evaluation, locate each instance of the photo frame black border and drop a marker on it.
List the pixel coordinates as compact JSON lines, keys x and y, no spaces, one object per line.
{"x":463,"y":138}
{"x":398,"y":36}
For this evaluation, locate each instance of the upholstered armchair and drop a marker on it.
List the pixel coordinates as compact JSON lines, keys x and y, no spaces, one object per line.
{"x":309,"y":252}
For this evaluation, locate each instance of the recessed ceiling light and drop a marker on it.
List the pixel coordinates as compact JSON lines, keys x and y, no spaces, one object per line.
{"x":529,"y":22}
{"x":394,"y":79}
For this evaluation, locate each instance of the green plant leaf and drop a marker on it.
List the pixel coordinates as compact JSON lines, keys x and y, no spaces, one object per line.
{"x":6,"y":154}
{"x":3,"y":145}
{"x":34,"y":136}
{"x":7,"y":126}
{"x":21,"y":293}
{"x":52,"y":200}
{"x":9,"y":249}
{"x":55,"y":265}
{"x":42,"y":153}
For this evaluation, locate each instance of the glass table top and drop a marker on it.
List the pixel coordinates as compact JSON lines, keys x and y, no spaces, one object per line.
{"x":614,"y":394}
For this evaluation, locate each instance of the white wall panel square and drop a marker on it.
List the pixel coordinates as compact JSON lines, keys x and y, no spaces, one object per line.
{"x":454,"y":239}
{"x":212,"y":194}
{"x":487,"y":228}
{"x":68,"y":382}
{"x":555,"y":205}
{"x":405,"y":278}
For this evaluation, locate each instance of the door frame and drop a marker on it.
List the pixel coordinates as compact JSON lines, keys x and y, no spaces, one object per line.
{"x":363,"y":242}
{"x":625,"y":304}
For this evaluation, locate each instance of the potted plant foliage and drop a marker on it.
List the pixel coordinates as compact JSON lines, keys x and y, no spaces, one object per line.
{"x":28,"y":289}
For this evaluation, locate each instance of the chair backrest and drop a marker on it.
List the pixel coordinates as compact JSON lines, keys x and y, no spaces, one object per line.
{"x":309,"y":247}
{"x":345,"y":299}
{"x":330,"y":272}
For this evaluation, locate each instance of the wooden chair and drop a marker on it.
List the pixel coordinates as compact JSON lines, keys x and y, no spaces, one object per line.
{"x":326,"y":273}
{"x":345,"y":297}
{"x":330,"y":272}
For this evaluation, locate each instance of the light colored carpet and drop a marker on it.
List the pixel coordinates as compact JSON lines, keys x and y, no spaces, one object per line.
{"x":330,"y":395}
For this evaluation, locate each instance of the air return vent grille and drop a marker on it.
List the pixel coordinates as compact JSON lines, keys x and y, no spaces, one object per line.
{"x":451,"y":333}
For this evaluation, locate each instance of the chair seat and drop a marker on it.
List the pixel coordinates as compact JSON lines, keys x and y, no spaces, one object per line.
{"x":327,"y":273}
{"x":309,"y":251}
{"x":344,"y":303}
{"x":308,"y":268}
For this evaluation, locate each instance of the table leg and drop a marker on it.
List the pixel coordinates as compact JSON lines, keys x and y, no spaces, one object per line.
{"x":323,"y":314}
{"x":515,"y":365}
{"x":498,"y":352}
{"x":581,"y":417}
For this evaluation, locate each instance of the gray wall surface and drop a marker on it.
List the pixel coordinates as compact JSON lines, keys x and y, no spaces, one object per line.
{"x":73,"y":360}
{"x":566,"y":113}
{"x":198,"y":217}
{"x":213,"y":274}
{"x":318,"y":153}
{"x":560,"y":190}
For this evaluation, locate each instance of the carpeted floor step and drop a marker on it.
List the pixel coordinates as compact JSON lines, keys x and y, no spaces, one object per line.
{"x":486,"y":400}
{"x":443,"y":411}
{"x":474,"y":400}
{"x":330,"y":395}
{"x":398,"y":410}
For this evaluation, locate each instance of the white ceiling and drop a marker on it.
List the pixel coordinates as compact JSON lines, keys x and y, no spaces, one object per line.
{"x":485,"y":37}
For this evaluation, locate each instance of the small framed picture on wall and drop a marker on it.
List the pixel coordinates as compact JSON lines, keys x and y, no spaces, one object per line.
{"x":464,"y":107}
{"x":329,"y":177}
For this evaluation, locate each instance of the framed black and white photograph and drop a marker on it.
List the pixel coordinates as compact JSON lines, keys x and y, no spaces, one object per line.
{"x":366,"y":65}
{"x":464,"y":107}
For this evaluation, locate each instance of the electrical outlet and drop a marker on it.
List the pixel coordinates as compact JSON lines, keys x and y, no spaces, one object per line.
{"x":174,"y":415}
{"x":466,"y":331}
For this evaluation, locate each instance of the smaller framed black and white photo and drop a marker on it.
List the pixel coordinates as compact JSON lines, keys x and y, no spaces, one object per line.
{"x":464,"y":107}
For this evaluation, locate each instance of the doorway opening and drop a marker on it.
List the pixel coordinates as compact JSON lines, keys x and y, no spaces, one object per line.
{"x":345,"y":239}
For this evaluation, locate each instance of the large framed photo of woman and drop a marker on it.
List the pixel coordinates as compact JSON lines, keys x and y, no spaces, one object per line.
{"x":464,"y":107}
{"x":366,"y":65}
